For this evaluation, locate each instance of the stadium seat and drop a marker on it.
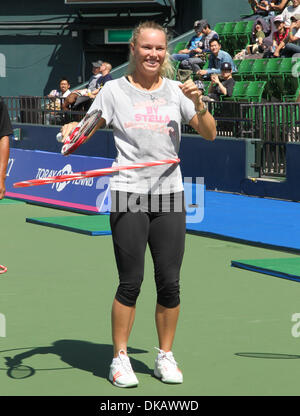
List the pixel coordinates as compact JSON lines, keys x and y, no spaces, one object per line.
{"x":275,"y":79}
{"x":239,"y":91}
{"x":227,"y":37}
{"x":255,"y":91}
{"x":239,"y":38}
{"x":175,"y":65}
{"x":289,"y":69}
{"x":219,"y":27}
{"x":291,"y":97}
{"x":260,"y":69}
{"x":179,"y":46}
{"x":206,"y":86}
{"x":245,"y":70}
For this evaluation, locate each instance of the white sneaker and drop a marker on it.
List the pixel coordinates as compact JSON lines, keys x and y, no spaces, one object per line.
{"x":121,"y":373}
{"x":166,"y":368}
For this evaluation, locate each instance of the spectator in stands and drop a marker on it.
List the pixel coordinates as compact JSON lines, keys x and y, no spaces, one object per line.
{"x":257,"y":46}
{"x":194,"y":63}
{"x":85,"y":96}
{"x":64,"y":89}
{"x":261,"y":8}
{"x":279,"y":37}
{"x":220,"y":86}
{"x":290,"y":11}
{"x":5,"y":131}
{"x":216,"y":59}
{"x":105,"y":76}
{"x":291,"y":44}
{"x":193,"y":46}
{"x":279,"y":5}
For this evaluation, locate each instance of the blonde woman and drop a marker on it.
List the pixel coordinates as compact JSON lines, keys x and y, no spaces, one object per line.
{"x":146,"y":110}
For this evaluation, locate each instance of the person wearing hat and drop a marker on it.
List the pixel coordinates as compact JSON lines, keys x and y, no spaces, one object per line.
{"x":291,"y":44}
{"x":216,"y":59}
{"x":279,"y":36}
{"x":84,"y":96}
{"x":220,"y":85}
{"x":198,"y":60}
{"x":279,"y":5}
{"x":290,"y":11}
{"x":193,"y":46}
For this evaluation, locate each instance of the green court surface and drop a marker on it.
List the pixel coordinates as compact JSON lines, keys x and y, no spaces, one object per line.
{"x":284,"y":268}
{"x":234,"y":334}
{"x":6,"y":201}
{"x":84,"y":224}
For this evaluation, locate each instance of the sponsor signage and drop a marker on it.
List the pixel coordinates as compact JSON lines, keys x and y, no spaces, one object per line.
{"x":87,"y":195}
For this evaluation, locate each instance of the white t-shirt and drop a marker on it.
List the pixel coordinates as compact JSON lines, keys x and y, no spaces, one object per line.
{"x":146,"y":128}
{"x":288,"y":12}
{"x":296,"y":33}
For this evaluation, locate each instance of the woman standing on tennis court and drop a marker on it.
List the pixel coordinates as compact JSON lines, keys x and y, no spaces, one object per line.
{"x":146,"y":110}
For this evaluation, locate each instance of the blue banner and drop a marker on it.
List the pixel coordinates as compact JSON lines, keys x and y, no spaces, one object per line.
{"x":87,"y":195}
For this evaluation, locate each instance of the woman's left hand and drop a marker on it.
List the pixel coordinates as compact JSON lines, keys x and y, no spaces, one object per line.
{"x":190,"y":90}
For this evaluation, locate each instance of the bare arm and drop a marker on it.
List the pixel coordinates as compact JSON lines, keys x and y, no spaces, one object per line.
{"x":67,"y":128}
{"x":205,"y":125}
{"x":279,"y":7}
{"x":4,"y":156}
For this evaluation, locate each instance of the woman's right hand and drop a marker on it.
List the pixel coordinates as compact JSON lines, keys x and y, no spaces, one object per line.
{"x":67,"y":128}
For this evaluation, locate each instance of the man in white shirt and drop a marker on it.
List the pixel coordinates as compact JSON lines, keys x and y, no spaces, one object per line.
{"x":290,"y":11}
{"x":292,"y":42}
{"x":64,"y":89}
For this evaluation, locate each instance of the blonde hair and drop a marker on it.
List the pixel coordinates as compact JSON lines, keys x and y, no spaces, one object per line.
{"x":166,"y":70}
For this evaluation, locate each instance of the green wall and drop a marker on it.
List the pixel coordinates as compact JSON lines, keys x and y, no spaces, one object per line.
{"x":224,"y":10}
{"x":32,"y":61}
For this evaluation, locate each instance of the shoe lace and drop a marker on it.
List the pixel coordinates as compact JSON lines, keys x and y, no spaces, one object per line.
{"x":124,"y":360}
{"x":167,"y":356}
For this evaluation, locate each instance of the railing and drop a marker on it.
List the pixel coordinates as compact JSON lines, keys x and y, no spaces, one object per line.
{"x":274,"y":123}
{"x":40,"y":110}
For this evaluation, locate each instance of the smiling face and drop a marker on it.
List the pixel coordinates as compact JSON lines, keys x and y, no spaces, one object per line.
{"x":149,"y":51}
{"x":296,"y":3}
{"x":64,"y":85}
{"x":215,"y":47}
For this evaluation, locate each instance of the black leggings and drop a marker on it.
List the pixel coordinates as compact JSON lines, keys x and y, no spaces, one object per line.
{"x":165,"y":233}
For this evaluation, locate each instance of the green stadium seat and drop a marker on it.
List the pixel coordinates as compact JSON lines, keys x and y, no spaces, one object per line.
{"x":239,"y":91}
{"x":179,"y":46}
{"x":255,"y":91}
{"x":291,"y":97}
{"x":175,"y":65}
{"x":276,"y":87}
{"x":206,"y":86}
{"x":219,"y":28}
{"x":239,"y":37}
{"x":289,"y":69}
{"x":227,"y":37}
{"x":245,"y":70}
{"x":260,"y":69}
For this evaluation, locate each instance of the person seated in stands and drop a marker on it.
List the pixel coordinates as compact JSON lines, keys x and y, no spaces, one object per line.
{"x":257,"y":46}
{"x":220,"y":85}
{"x":290,"y":11}
{"x":279,"y":5}
{"x":196,"y":62}
{"x":291,"y":44}
{"x":105,"y":76}
{"x":64,"y":89}
{"x":84,"y":96}
{"x":279,"y":36}
{"x":216,"y":59}
{"x":193,"y":46}
{"x":261,"y":8}
{"x":56,"y":100}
